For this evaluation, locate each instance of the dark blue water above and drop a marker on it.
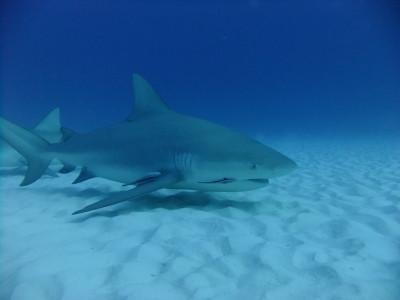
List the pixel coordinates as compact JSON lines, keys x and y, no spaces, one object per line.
{"x":272,"y":67}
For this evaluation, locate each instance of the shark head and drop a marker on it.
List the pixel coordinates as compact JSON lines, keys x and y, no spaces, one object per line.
{"x":230,"y":161}
{"x":248,"y":160}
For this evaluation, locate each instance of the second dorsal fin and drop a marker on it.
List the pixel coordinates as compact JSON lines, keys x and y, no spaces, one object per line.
{"x":50,"y":127}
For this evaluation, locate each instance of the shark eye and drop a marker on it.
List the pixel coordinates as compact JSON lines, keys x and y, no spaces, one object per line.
{"x":253,"y":166}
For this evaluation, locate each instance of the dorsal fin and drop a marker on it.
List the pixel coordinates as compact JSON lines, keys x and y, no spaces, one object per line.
{"x":50,"y":127}
{"x":50,"y":122}
{"x":147,"y":101}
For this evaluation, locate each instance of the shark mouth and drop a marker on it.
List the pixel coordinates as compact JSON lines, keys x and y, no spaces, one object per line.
{"x":230,"y":180}
{"x":222,"y":180}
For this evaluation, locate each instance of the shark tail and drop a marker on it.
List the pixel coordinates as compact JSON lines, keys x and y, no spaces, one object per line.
{"x":30,"y":145}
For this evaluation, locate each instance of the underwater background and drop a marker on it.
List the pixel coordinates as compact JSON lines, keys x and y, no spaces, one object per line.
{"x":317,"y":80}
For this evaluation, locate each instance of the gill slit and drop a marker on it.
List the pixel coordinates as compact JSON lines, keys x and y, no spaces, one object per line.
{"x":182,"y":161}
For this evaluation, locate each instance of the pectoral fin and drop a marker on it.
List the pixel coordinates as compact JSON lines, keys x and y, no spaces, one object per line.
{"x":163,"y":181}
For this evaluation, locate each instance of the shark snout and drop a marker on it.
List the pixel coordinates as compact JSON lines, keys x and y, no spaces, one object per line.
{"x":286,"y":166}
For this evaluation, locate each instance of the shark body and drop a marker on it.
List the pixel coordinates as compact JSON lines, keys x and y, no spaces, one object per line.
{"x":155,"y":148}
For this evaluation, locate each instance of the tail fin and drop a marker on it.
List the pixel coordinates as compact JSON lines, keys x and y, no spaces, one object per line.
{"x":29,"y":145}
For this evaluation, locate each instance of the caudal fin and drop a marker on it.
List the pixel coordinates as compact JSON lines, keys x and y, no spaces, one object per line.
{"x":29,"y":145}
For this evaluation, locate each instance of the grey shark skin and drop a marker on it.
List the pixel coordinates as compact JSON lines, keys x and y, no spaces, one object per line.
{"x":49,"y":129}
{"x":155,"y":148}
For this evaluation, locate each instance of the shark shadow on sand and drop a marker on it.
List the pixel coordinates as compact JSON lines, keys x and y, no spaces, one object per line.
{"x":181,"y":200}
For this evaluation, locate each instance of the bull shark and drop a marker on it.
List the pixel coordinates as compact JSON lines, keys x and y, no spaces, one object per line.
{"x":154,"y":148}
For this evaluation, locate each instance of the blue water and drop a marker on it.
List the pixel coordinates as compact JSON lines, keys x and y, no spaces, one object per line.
{"x":317,"y":80}
{"x":276,"y":67}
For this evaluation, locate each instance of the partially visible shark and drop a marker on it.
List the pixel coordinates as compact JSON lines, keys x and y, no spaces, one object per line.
{"x":49,"y":129}
{"x":154,"y":148}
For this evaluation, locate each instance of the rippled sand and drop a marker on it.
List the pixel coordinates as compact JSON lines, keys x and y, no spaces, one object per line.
{"x":331,"y":230}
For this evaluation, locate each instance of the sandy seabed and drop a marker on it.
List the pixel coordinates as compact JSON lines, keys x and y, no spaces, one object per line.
{"x":330,"y":230}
